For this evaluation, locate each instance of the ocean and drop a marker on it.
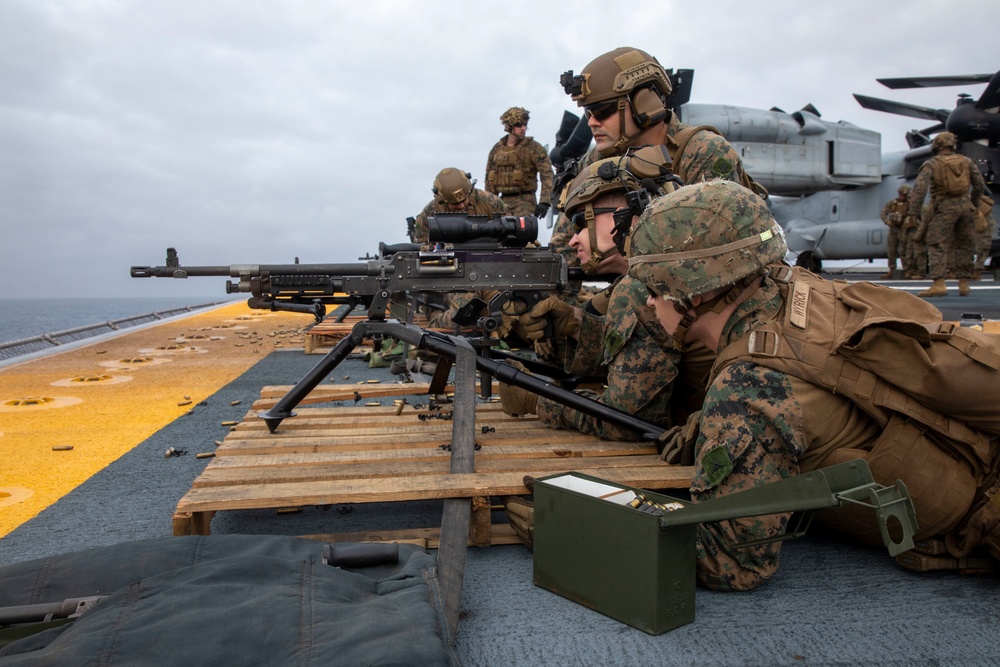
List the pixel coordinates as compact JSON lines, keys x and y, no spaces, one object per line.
{"x":23,"y":318}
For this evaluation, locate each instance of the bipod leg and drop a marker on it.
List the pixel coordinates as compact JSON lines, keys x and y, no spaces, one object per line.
{"x":284,"y":408}
{"x":457,"y":511}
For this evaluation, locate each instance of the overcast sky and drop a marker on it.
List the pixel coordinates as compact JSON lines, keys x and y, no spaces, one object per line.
{"x":259,"y":131}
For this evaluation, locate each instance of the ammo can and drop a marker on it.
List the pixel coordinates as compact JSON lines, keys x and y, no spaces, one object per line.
{"x":592,"y":547}
{"x":611,"y":557}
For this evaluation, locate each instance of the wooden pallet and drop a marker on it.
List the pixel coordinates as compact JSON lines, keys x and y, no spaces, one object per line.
{"x":361,"y":454}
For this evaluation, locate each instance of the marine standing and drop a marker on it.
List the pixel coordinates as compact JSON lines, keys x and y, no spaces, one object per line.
{"x":894,"y":215}
{"x":515,"y":165}
{"x":956,"y":187}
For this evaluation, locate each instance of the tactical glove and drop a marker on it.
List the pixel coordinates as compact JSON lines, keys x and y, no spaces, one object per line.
{"x":678,"y":442}
{"x":516,"y":401}
{"x":551,"y":310}
{"x":541,"y":210}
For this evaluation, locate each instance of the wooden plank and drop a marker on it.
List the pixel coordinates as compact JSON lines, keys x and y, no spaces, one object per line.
{"x":332,"y":392}
{"x":513,"y":450}
{"x":428,"y":538}
{"x":561,"y":448}
{"x":423,"y":487}
{"x":274,"y":474}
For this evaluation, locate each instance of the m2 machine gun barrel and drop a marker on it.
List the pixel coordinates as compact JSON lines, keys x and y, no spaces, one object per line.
{"x":466,"y":253}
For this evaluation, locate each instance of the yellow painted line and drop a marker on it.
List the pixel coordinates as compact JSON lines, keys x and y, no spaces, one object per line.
{"x":80,"y":398}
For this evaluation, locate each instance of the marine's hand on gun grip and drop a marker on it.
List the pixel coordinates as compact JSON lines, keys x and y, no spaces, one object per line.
{"x":551,"y":318}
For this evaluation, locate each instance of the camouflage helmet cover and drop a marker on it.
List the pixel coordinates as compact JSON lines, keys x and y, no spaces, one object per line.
{"x":702,"y":238}
{"x":452,"y":186}
{"x":514,"y":116}
{"x":614,"y":74}
{"x":944,"y":140}
{"x":625,"y":173}
{"x":904,"y":190}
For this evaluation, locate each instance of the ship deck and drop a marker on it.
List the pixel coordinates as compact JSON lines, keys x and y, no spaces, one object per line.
{"x":88,"y":468}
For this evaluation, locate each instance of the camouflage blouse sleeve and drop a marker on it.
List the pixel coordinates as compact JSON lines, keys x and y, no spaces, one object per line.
{"x":920,"y":187}
{"x":707,"y":157}
{"x":751,"y":433}
{"x":420,"y":225}
{"x":559,"y":240}
{"x":544,"y":166}
{"x":640,"y":374}
{"x":490,"y":185}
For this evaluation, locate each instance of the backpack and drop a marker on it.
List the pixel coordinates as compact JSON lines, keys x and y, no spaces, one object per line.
{"x":951,"y":174}
{"x":889,"y":352}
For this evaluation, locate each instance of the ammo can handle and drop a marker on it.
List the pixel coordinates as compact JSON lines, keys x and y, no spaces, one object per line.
{"x":826,"y":488}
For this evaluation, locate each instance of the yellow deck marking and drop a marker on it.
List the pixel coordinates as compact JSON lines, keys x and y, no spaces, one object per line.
{"x":105,"y":420}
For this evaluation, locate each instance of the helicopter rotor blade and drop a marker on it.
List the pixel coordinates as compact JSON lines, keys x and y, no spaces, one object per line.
{"x":902,"y":108}
{"x":933,"y":81}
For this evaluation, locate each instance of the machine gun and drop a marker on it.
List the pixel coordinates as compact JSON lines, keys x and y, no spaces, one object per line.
{"x":465,"y":254}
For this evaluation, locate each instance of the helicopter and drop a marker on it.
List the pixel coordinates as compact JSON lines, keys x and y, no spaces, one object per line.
{"x":828,"y":181}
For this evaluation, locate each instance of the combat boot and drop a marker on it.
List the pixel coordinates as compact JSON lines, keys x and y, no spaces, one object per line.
{"x":937,"y":289}
{"x":963,"y":287}
{"x":887,"y":275}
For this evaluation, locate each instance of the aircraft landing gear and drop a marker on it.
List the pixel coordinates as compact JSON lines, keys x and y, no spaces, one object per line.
{"x":809,"y":261}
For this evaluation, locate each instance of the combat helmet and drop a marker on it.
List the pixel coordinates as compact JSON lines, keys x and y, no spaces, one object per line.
{"x":452,"y":186}
{"x":700,"y":239}
{"x":904,"y":190}
{"x":624,"y":78}
{"x":944,"y":140}
{"x":639,"y":174}
{"x":514,"y":116}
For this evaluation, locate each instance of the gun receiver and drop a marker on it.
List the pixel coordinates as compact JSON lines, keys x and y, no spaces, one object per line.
{"x":466,"y":254}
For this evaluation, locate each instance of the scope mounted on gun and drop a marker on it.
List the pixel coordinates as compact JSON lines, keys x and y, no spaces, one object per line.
{"x":506,"y":231}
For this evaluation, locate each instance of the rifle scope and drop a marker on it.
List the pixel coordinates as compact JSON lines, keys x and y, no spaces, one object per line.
{"x":507,"y":231}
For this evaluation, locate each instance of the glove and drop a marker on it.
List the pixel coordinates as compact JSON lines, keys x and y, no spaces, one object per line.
{"x":516,"y":401}
{"x":541,"y":210}
{"x":554,"y":310}
{"x":678,"y":442}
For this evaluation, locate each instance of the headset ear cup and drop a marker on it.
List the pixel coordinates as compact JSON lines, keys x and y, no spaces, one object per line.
{"x":647,"y":108}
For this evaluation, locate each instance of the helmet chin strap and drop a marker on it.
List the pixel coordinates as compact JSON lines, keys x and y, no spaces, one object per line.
{"x":596,"y":255}
{"x":717,"y":304}
{"x":624,"y":140}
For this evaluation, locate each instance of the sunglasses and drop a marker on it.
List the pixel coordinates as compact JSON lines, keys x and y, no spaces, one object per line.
{"x":520,"y":124}
{"x":579,"y":219}
{"x":601,"y":110}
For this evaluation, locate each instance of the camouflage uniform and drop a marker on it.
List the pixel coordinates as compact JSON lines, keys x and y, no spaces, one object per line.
{"x":951,"y":227}
{"x":513,"y":172}
{"x":480,"y":203}
{"x":642,"y":368}
{"x":894,"y":214}
{"x":984,"y":236}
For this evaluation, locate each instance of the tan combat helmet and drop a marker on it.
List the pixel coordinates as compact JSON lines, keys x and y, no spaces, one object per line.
{"x":452,"y":186}
{"x":639,"y":174}
{"x":944,"y":140}
{"x":624,"y":78}
{"x":700,"y":239}
{"x":514,"y":116}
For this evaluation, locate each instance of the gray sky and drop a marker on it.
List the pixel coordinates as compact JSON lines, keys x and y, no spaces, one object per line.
{"x":258,"y":131}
